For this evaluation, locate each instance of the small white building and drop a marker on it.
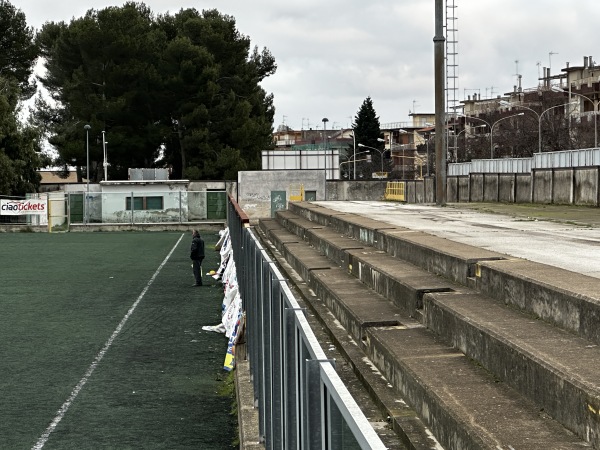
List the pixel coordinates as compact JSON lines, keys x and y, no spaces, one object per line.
{"x":147,"y":200}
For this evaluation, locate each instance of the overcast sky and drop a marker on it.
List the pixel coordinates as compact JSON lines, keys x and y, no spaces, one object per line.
{"x":333,"y":54}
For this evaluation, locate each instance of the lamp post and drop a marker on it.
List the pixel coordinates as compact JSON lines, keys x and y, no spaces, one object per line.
{"x":325,"y":120}
{"x":105,"y":156}
{"x":87,"y":169}
{"x":492,"y":132}
{"x":377,"y":150}
{"x":353,"y":161}
{"x":539,"y":116}
{"x":594,"y":102}
{"x":354,"y":153}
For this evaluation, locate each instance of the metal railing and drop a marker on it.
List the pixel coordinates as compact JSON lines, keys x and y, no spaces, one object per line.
{"x":302,"y":402}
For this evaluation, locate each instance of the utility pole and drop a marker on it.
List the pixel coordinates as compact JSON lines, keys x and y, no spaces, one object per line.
{"x":440,"y":105}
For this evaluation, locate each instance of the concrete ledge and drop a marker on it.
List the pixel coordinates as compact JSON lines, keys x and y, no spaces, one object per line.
{"x":452,"y":260}
{"x":403,"y":283}
{"x":355,"y":308}
{"x":304,"y":259}
{"x":183,"y":226}
{"x":314,"y":213}
{"x":552,"y":367}
{"x":332,"y":245}
{"x":360,"y":228}
{"x":247,"y":413}
{"x":566,"y":299}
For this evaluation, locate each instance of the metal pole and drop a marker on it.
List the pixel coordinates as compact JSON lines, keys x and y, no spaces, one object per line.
{"x":325,"y":120}
{"x":492,"y":141}
{"x":105,"y":155}
{"x":540,"y":133}
{"x":403,"y":163}
{"x":354,"y":157}
{"x":596,"y":124}
{"x":87,"y":171}
{"x":428,"y":137}
{"x":440,"y":103}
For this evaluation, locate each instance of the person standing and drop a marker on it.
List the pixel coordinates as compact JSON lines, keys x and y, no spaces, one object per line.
{"x":197,"y":255}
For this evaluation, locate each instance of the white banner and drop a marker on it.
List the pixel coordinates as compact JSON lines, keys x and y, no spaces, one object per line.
{"x":23,"y":207}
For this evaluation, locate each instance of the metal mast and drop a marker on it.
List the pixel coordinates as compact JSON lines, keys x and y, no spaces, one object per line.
{"x":452,"y":101}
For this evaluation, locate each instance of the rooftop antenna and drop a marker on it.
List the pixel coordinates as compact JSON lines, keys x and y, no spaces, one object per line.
{"x":539,"y":64}
{"x":517,"y":74}
{"x":414,"y":106}
{"x":550,"y":61}
{"x":284,"y":117}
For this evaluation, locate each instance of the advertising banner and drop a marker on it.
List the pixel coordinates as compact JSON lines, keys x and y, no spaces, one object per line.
{"x":23,"y":207}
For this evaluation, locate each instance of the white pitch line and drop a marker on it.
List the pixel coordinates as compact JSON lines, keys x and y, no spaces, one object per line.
{"x":67,"y":404}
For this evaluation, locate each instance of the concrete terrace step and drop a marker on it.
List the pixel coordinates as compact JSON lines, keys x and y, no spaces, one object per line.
{"x":452,"y":260}
{"x":401,"y":282}
{"x":463,"y":319}
{"x":557,"y":370}
{"x":565,"y":299}
{"x":465,"y":406}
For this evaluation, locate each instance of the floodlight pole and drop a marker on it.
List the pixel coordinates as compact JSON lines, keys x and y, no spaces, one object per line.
{"x":440,"y":103}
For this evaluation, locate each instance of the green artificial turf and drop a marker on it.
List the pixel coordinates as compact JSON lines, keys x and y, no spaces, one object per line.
{"x":62,"y":296}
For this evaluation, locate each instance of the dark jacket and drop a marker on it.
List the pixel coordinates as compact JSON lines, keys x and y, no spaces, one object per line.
{"x":197,"y":249}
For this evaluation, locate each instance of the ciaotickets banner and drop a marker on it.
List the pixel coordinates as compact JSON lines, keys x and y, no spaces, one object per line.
{"x":23,"y":207}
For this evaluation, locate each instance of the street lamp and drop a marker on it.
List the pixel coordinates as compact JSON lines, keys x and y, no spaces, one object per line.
{"x":595,"y":103}
{"x":354,"y":152}
{"x":87,"y":169}
{"x":377,"y":150}
{"x":325,"y":120}
{"x":492,"y":132}
{"x":105,"y":156}
{"x":353,"y":161}
{"x":539,"y":116}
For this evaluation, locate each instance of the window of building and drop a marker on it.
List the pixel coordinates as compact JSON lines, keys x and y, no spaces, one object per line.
{"x":144,"y":203}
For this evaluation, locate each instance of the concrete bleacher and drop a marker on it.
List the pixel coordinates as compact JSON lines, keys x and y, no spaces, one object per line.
{"x":486,"y":350}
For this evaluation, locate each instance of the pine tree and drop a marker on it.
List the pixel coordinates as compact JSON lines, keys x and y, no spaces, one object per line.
{"x":19,"y":143}
{"x":368,"y":133}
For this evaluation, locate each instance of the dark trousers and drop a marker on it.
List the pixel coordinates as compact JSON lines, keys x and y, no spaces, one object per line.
{"x":197,"y":268}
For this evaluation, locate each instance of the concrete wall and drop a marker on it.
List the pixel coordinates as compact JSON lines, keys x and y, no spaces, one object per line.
{"x":506,"y":187}
{"x":114,"y":201}
{"x":523,"y":188}
{"x":490,"y":187}
{"x":202,"y":186}
{"x":477,"y":184}
{"x":255,"y":188}
{"x":562,"y":186}
{"x":452,"y":190}
{"x":356,"y":190}
{"x":542,"y":186}
{"x":585,"y":189}
{"x":575,"y":185}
